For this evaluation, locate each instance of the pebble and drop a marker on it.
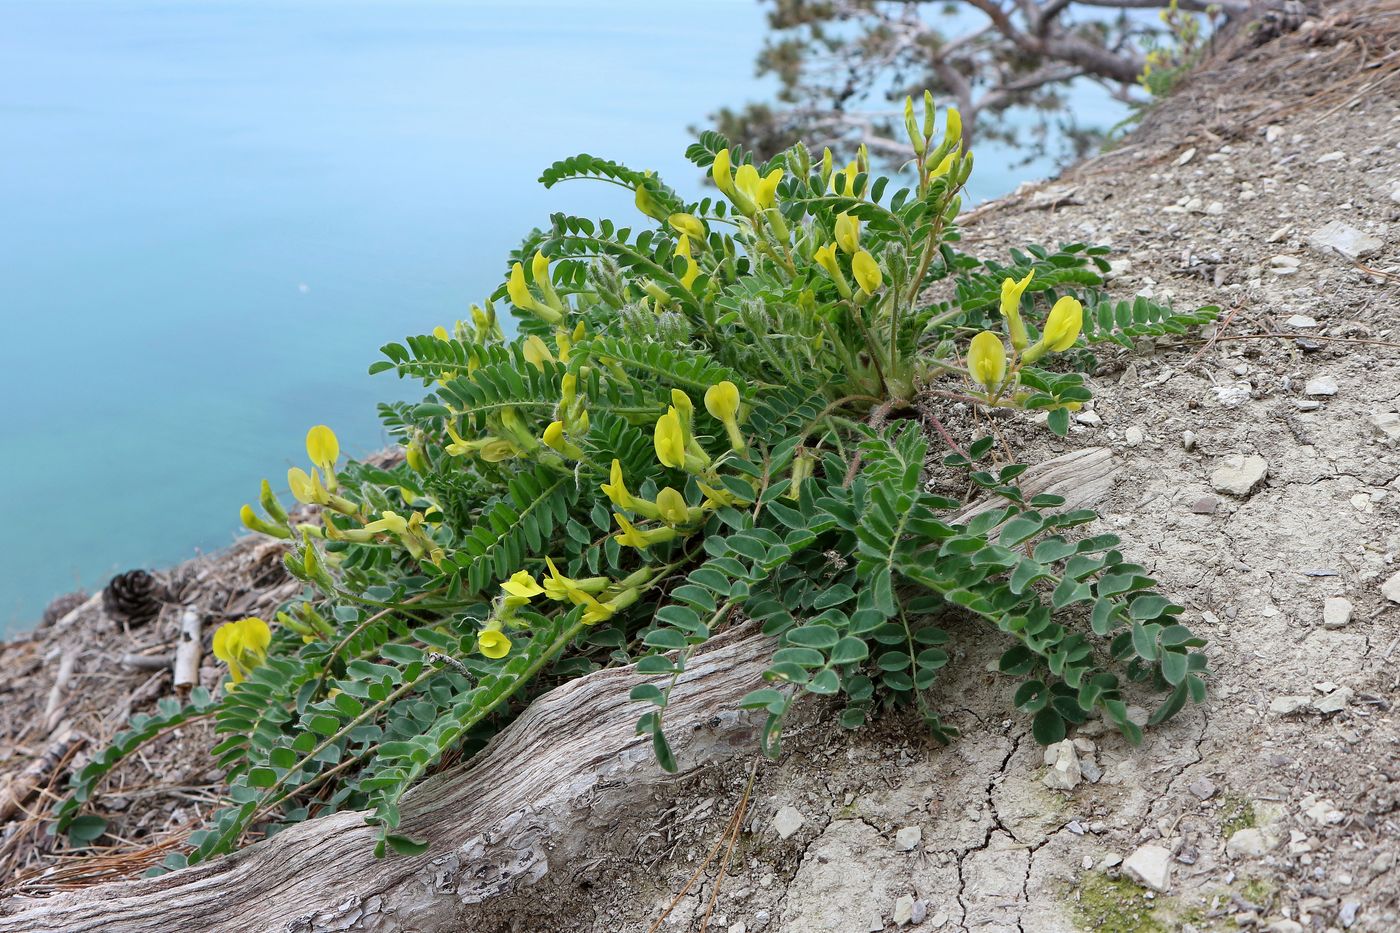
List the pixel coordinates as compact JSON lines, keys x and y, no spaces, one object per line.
{"x":1283,"y":265}
{"x":1205,"y":505}
{"x":1111,"y":860}
{"x":1186,"y":156}
{"x":1151,"y":867}
{"x":1203,"y":788}
{"x":1336,"y":611}
{"x":1335,"y":236}
{"x":1188,"y":438}
{"x":1247,"y":843}
{"x":787,"y":821}
{"x":1348,"y":912}
{"x":1284,"y":926}
{"x":1287,"y":705}
{"x":1240,"y":475}
{"x":908,"y":838}
{"x":1320,"y":385}
{"x":920,"y":911}
{"x":1272,"y":133}
{"x":1334,"y":702}
{"x":1386,"y":424}
{"x":1090,"y":418}
{"x":1391,"y":588}
{"x":1335,"y":156}
{"x":1301,"y":320}
{"x":1065,"y":772}
{"x":904,"y":909}
{"x":1215,"y":208}
{"x":1133,"y":436}
{"x":739,"y":927}
{"x":1306,"y":404}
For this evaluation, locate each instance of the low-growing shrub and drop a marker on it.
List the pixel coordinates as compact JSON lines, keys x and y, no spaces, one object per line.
{"x":700,"y":416}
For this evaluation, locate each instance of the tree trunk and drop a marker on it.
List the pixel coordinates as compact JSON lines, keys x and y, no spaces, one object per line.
{"x":569,"y":771}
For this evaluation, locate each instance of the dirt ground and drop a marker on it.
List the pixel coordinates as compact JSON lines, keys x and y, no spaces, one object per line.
{"x":1276,"y":806}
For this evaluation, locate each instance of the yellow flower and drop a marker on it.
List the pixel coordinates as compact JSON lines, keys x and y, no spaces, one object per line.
{"x":496,"y":450}
{"x":520,"y":295}
{"x":522,"y":586}
{"x":390,"y":522}
{"x":692,"y":271}
{"x":722,"y":402}
{"x":559,"y":587}
{"x":669,"y":440}
{"x":954,"y":134}
{"x":647,"y":204}
{"x":536,"y":352}
{"x":943,"y":166}
{"x":254,"y":522}
{"x":718,"y":498}
{"x":493,"y":643}
{"x":847,"y":232}
{"x":986,"y":360}
{"x":322,"y":447}
{"x":616,"y":489}
{"x":688,"y":225}
{"x":671,"y":505}
{"x":242,"y":645}
{"x":631,"y":536}
{"x":826,"y":258}
{"x":849,"y":173}
{"x":554,"y":438}
{"x":721,"y":172}
{"x":1011,"y":292}
{"x":304,"y":488}
{"x":867,"y":272}
{"x":1063,"y":324}
{"x":761,"y":190}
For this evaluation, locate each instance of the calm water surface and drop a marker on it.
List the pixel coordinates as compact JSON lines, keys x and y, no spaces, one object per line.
{"x":213,"y":213}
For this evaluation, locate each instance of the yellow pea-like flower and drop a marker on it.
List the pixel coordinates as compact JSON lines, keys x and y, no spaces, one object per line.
{"x":390,"y":522}
{"x":536,"y":352}
{"x":648,"y":204}
{"x":498,"y":450}
{"x":825,"y":257}
{"x":847,"y":232}
{"x":692,"y":271}
{"x":519,"y":291}
{"x":322,"y":447}
{"x":722,"y":173}
{"x":554,"y":439}
{"x":254,"y":522}
{"x":954,"y":134}
{"x":944,"y":166}
{"x":242,"y":645}
{"x":670,"y":440}
{"x":849,"y":173}
{"x":722,"y":402}
{"x":1011,"y":292}
{"x":561,"y":588}
{"x":687,"y":225}
{"x":986,"y":360}
{"x":1063,"y":325}
{"x":672,"y":506}
{"x":493,"y":643}
{"x":441,"y":333}
{"x":631,"y":536}
{"x":522,"y":586}
{"x":760,"y":189}
{"x":302,"y":487}
{"x":867,"y":272}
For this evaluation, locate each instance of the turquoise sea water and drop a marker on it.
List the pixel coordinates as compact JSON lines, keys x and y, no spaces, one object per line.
{"x":213,"y":213}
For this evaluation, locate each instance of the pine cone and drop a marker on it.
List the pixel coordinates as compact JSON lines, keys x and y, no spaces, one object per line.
{"x":61,"y":606}
{"x":135,"y":596}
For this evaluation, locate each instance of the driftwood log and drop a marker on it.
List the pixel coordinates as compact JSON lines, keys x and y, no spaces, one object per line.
{"x":567,"y":771}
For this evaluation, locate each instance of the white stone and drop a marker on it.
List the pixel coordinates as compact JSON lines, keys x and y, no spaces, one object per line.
{"x":1272,"y":133}
{"x":1118,"y":267}
{"x":908,"y":838}
{"x":1232,"y":394}
{"x":1215,"y":208}
{"x":1336,"y":611}
{"x":1287,"y":705}
{"x":1151,"y":867}
{"x":1320,"y":385}
{"x":1391,"y":588}
{"x":1186,"y":156}
{"x":787,"y":821}
{"x":1301,"y":320}
{"x":1325,"y":813}
{"x":1089,"y":418}
{"x":1335,"y":236}
{"x":1334,"y":702}
{"x":1133,"y":436}
{"x":1064,"y":772}
{"x":1386,"y":424}
{"x":740,"y":927}
{"x":1335,"y":156}
{"x":1284,"y":926}
{"x":1247,"y":843}
{"x":904,"y":909}
{"x":1240,"y":474}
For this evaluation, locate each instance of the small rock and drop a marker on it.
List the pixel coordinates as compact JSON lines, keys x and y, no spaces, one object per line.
{"x":920,"y":911}
{"x":1188,"y":438}
{"x":1336,"y":611}
{"x":904,"y":909}
{"x":1205,"y":505}
{"x":1185,"y":157}
{"x":1151,"y":867}
{"x":1347,"y":914}
{"x":1324,"y":813}
{"x":1280,"y":234}
{"x":1382,"y":863}
{"x":1288,"y":705}
{"x":1091,"y":771}
{"x":1320,"y":385}
{"x":1334,"y":702}
{"x":1203,"y":788}
{"x":1064,"y":773}
{"x":1391,"y":588}
{"x":1247,"y":843}
{"x":1111,"y":860}
{"x":1301,"y":320}
{"x":1272,"y":133}
{"x":1233,"y":394}
{"x":1335,"y":236}
{"x":1090,"y":418}
{"x":1284,"y":265}
{"x":739,"y":927}
{"x":1215,"y":208}
{"x":1306,"y":404}
{"x":1240,"y":474}
{"x":1284,"y":926}
{"x":1386,"y":424}
{"x":1117,"y":267}
{"x":907,"y":838}
{"x":1335,"y":156}
{"x":787,"y":821}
